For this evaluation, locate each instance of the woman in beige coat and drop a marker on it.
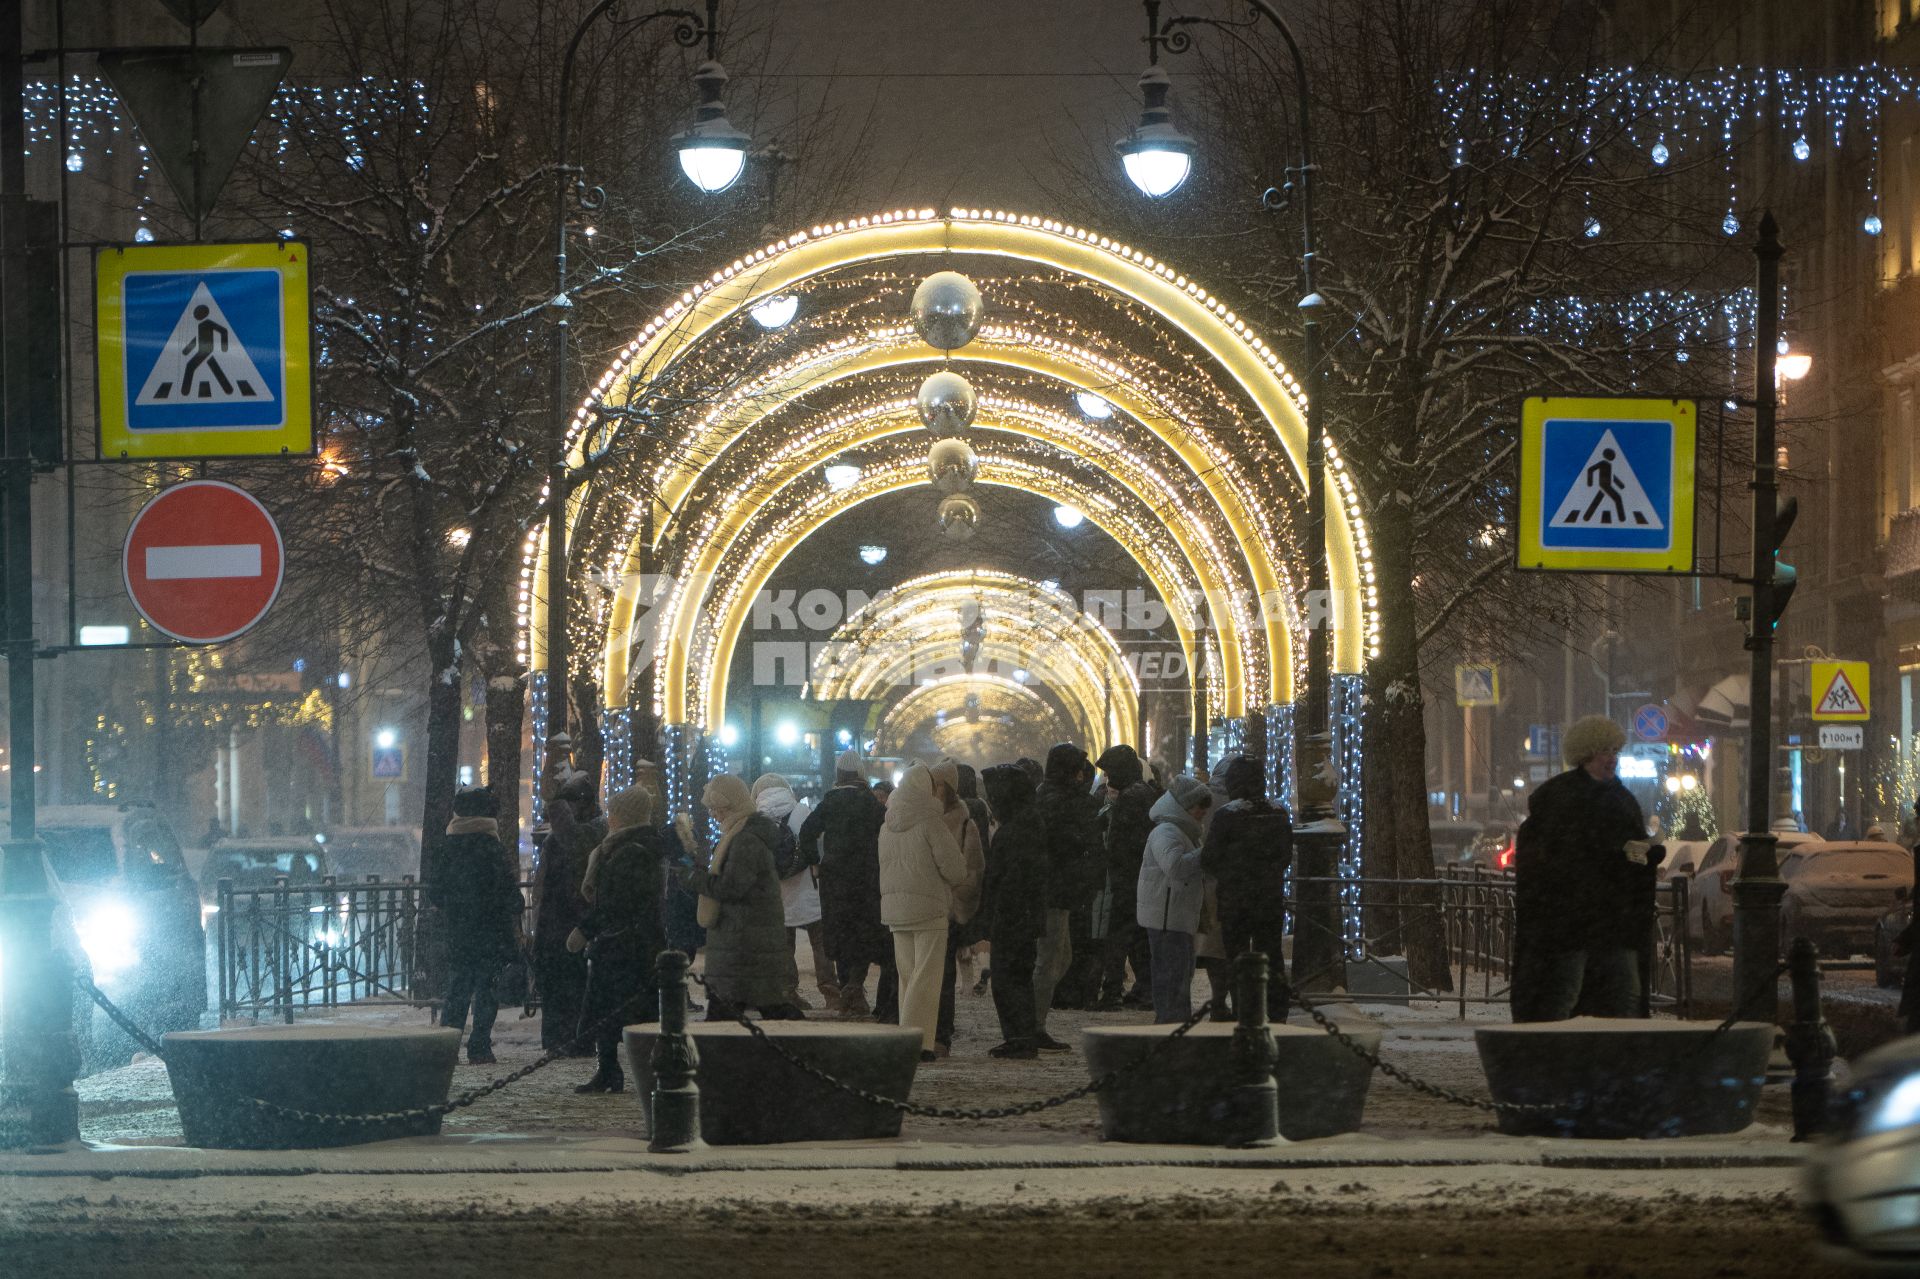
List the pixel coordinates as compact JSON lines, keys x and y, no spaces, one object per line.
{"x":920,"y":865}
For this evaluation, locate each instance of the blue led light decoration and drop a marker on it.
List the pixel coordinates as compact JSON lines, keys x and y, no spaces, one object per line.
{"x":537,"y":712}
{"x":1348,"y":721}
{"x":616,"y":734}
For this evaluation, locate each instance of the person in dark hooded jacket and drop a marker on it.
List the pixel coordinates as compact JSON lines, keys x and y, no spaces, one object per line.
{"x":1015,"y":903}
{"x":472,"y":881}
{"x":623,"y":931}
{"x":575,"y":830}
{"x":843,"y":834}
{"x":1128,"y":810}
{"x":1075,"y":867}
{"x":1248,"y":847}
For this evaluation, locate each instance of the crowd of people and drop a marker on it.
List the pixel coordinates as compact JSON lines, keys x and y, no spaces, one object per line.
{"x":1075,"y":883}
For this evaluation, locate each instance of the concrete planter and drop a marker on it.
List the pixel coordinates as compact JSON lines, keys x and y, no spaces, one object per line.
{"x":750,"y":1096}
{"x":1625,"y":1077}
{"x":346,"y":1070}
{"x":1183,"y":1096}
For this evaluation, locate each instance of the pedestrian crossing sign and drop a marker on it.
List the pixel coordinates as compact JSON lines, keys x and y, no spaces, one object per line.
{"x":204,"y":350}
{"x":1841,"y":691}
{"x":1476,"y":685}
{"x":1606,"y":485}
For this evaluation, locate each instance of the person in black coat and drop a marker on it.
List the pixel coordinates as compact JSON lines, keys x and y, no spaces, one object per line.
{"x":1129,"y":803}
{"x":575,"y":829}
{"x":1583,"y":878}
{"x":1248,"y":847}
{"x":623,"y":930}
{"x":1076,"y":866}
{"x":1014,"y":900}
{"x":472,"y":882}
{"x":845,"y":830}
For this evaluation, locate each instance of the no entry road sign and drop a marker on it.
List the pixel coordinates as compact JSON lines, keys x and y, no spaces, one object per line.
{"x":203,"y":561}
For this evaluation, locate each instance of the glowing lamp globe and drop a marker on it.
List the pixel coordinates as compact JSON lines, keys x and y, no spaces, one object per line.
{"x":1156,"y":156}
{"x":712,"y":152}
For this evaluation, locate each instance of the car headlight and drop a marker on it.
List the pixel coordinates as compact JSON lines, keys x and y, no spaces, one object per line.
{"x":106,"y":933}
{"x":1891,"y":1109}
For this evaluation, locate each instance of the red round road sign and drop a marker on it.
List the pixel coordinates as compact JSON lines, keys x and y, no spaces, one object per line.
{"x":203,"y":561}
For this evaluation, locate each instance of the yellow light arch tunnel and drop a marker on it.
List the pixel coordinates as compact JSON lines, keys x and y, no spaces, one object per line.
{"x":1229,"y":343}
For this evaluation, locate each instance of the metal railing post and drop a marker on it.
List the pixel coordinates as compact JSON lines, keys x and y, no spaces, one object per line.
{"x":1810,"y":1044}
{"x":223,"y":910}
{"x":1255,"y":1114}
{"x":675,"y":1123}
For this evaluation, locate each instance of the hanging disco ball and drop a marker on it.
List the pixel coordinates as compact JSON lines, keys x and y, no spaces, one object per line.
{"x":946,"y":403}
{"x":946,"y":310}
{"x":952,"y":465}
{"x":959,"y":515}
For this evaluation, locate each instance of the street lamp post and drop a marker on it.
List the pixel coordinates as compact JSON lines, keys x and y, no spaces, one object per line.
{"x":1157,"y":158}
{"x":712,"y":154}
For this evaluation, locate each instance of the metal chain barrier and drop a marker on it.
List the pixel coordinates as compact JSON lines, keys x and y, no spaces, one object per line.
{"x":440,"y":1109}
{"x":1488,"y":1105}
{"x":960,"y":1112}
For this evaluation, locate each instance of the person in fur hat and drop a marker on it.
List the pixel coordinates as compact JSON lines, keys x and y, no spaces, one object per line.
{"x":1582,"y":867}
{"x":740,"y":908}
{"x":623,"y":931}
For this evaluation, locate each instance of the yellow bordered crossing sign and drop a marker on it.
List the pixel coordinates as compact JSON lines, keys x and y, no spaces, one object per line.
{"x":1476,"y":684}
{"x":1606,"y":485}
{"x":204,"y":350}
{"x":1841,"y":692}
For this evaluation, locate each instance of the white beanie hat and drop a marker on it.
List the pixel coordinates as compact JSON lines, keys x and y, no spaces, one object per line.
{"x":850,"y":762}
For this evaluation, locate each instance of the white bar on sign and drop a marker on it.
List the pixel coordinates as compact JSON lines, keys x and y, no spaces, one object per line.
{"x":169,"y":563}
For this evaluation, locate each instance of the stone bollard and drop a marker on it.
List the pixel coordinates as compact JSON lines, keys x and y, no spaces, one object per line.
{"x":675,"y":1126}
{"x":1810,"y":1044}
{"x":1254,"y":1117}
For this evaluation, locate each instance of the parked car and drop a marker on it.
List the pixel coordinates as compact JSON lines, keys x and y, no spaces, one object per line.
{"x":355,"y":852}
{"x":130,"y":915}
{"x":1860,"y":1182}
{"x":1493,"y":849}
{"x":1683,"y":858}
{"x":259,"y":863}
{"x":1453,"y":841}
{"x":1889,"y":969}
{"x":1711,"y":891}
{"x":1837,"y":893}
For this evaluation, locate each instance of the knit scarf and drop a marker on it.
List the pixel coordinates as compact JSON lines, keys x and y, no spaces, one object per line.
{"x":731,"y":820}
{"x":474,"y":826}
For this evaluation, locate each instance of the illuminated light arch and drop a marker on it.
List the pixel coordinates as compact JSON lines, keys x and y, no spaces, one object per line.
{"x":1231,"y":345}
{"x":1210,"y":565}
{"x":865,"y":653}
{"x":1271,"y":606}
{"x":723,"y":622}
{"x":1018,"y":696}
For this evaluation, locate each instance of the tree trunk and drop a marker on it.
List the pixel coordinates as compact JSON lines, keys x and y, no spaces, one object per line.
{"x":1403,"y":736}
{"x":443,"y":740}
{"x":506,"y":723}
{"x":589,"y":744}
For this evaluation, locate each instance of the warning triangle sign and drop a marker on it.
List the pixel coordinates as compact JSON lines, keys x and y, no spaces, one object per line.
{"x":1840,"y":697}
{"x":204,"y":361}
{"x":1606,"y":493}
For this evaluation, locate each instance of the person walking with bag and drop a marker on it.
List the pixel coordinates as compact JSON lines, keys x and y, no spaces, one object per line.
{"x":624,"y":930}
{"x":740,"y":909}
{"x":920,"y":866}
{"x":1172,"y":894}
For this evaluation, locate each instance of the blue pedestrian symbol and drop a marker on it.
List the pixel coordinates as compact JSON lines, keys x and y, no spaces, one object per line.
{"x":1606,"y":486}
{"x":204,"y":349}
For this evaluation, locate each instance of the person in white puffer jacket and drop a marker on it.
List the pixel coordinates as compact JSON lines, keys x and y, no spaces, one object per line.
{"x":920,"y":865}
{"x":1172,"y":892}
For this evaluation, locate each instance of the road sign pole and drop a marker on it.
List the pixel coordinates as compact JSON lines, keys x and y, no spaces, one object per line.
{"x":1757,"y":890}
{"x":38,"y":1059}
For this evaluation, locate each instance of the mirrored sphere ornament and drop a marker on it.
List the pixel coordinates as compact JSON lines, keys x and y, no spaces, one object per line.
{"x":946,"y":310}
{"x":946,"y":403}
{"x":959,"y":516}
{"x":951,"y":465}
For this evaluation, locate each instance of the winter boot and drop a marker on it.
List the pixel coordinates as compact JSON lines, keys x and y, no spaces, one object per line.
{"x":605,"y":1080}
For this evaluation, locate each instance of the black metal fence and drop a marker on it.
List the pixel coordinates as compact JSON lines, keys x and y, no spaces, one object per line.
{"x":1462,"y":922}
{"x":291,"y":948}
